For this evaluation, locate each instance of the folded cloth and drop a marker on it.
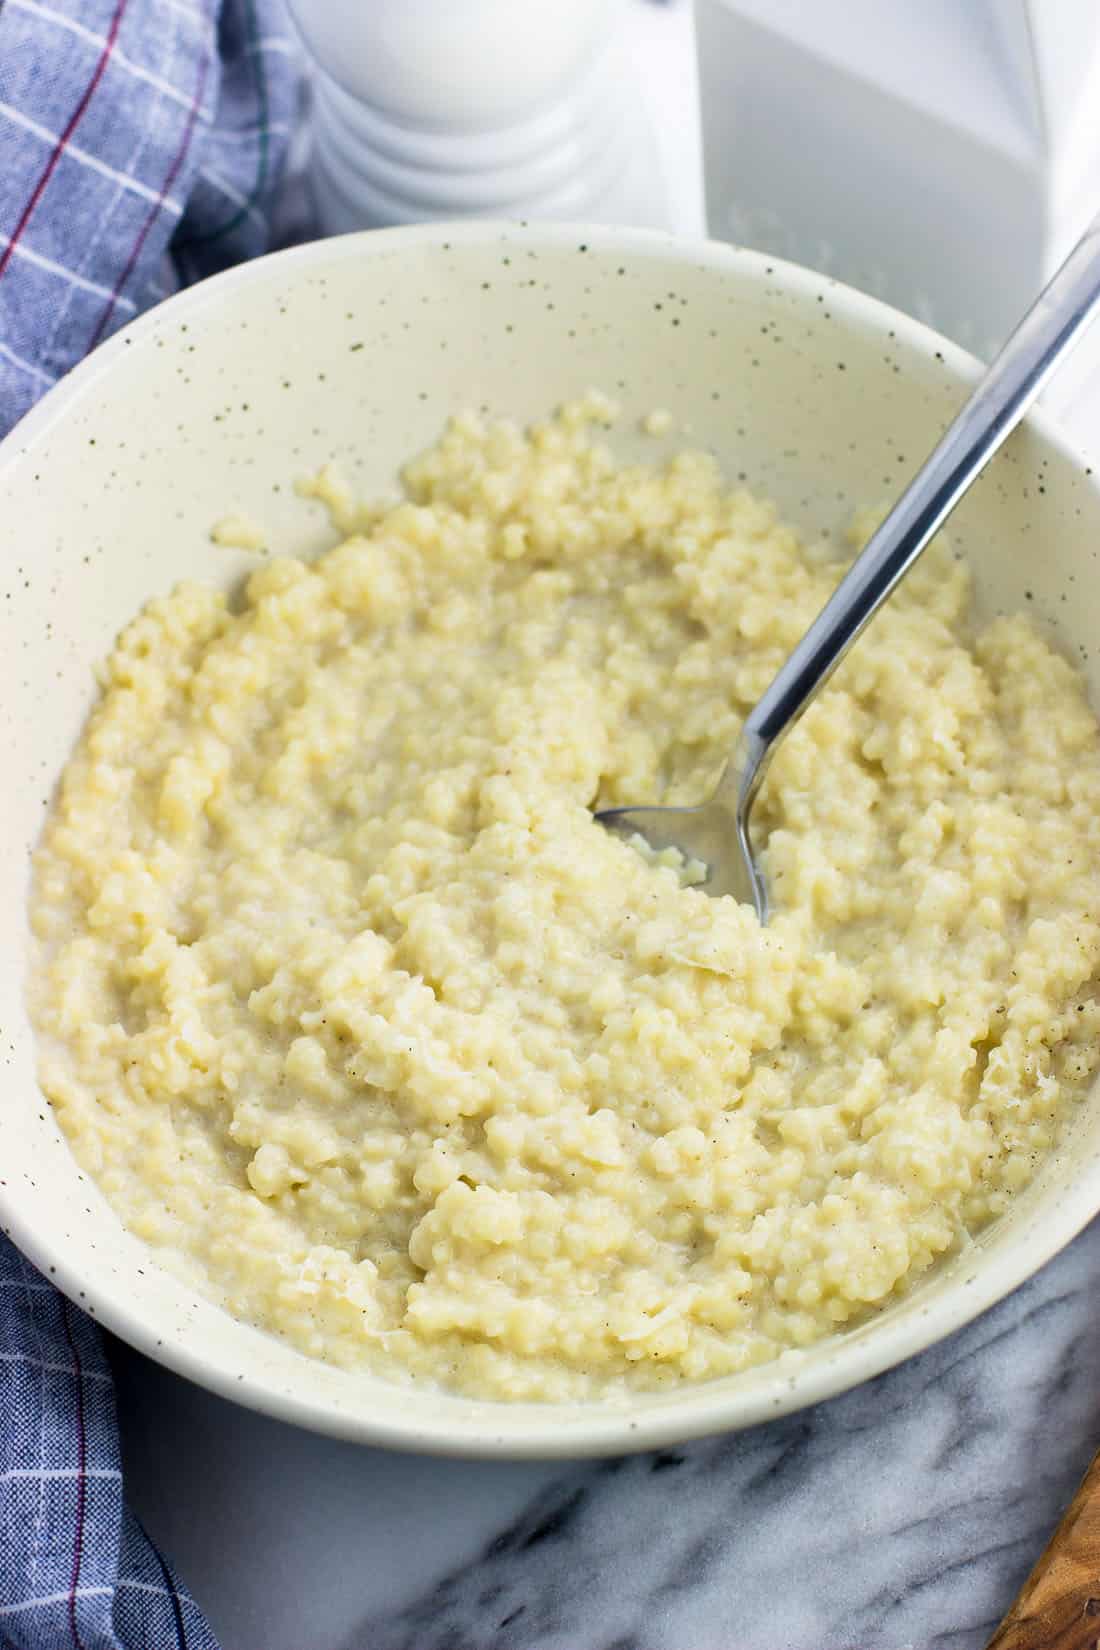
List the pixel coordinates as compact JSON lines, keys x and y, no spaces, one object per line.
{"x":142,"y":144}
{"x":77,"y":1571}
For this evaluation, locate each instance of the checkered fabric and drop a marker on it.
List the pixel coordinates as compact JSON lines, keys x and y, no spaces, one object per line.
{"x":77,"y":1571}
{"x":142,"y":144}
{"x":141,"y":147}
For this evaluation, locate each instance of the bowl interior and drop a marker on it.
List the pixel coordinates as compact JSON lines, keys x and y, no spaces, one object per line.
{"x":356,"y":350}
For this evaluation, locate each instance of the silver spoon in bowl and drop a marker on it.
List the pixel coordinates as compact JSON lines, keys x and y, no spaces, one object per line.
{"x":717,"y":831}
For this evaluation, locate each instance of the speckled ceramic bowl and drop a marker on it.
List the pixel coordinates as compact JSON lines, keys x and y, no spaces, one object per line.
{"x":357,"y":349}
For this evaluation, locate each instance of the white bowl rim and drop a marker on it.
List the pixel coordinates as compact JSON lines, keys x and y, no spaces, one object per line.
{"x":699,"y":1410}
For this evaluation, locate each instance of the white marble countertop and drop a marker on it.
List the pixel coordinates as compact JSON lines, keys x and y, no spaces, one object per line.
{"x":901,"y":1517}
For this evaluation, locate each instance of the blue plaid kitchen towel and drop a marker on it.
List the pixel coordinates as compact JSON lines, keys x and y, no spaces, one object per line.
{"x":142,"y":144}
{"x":77,"y":1571}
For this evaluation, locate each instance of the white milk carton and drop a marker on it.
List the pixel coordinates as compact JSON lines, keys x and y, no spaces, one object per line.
{"x":942,"y":154}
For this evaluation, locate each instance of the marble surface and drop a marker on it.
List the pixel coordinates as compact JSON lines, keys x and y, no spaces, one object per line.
{"x":902,"y":1516}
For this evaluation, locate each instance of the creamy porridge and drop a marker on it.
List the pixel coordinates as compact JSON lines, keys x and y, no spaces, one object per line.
{"x":365,"y":1025}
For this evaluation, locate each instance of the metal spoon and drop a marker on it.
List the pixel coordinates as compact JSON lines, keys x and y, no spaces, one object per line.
{"x":717,"y":831}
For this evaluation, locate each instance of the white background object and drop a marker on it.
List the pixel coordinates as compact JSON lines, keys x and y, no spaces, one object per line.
{"x":494,"y":108}
{"x":941,"y":156}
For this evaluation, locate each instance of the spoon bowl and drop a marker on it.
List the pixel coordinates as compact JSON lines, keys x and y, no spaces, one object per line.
{"x":713,"y":836}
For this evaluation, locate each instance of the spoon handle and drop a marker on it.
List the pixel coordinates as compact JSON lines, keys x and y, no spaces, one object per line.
{"x":1049,"y":328}
{"x":1059,"y":1604}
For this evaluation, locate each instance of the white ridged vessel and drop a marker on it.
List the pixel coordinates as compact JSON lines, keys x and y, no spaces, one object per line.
{"x":477,"y":108}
